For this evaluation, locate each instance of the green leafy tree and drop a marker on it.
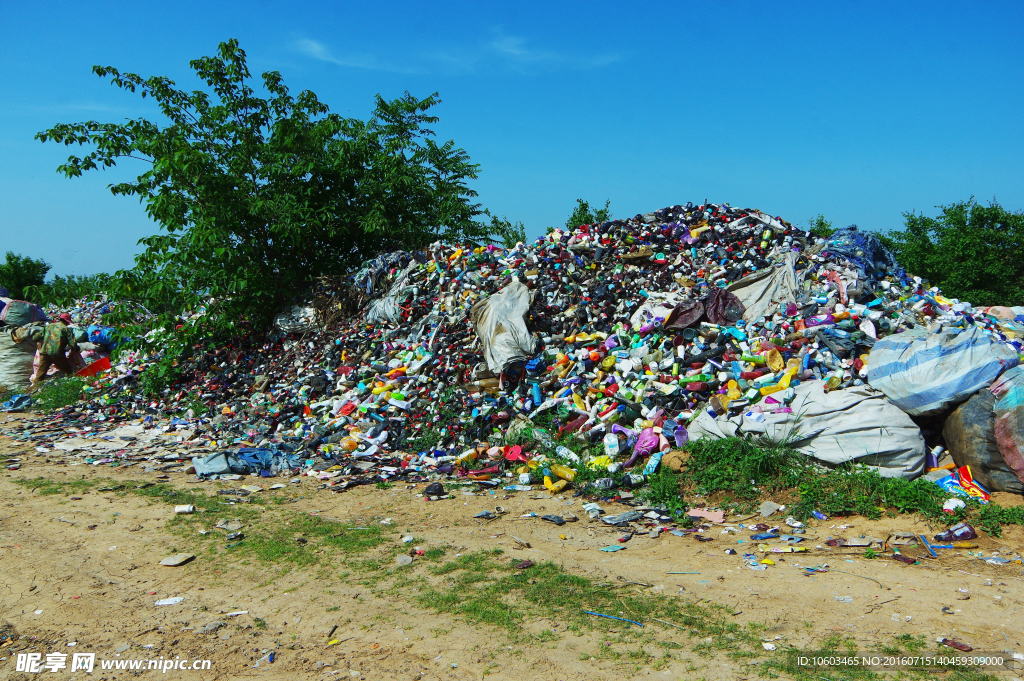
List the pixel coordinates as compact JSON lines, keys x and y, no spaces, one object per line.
{"x":583,"y":215}
{"x":821,"y":227}
{"x":19,"y":273}
{"x":64,"y":291}
{"x":255,"y":196}
{"x":510,"y":234}
{"x":972,"y":252}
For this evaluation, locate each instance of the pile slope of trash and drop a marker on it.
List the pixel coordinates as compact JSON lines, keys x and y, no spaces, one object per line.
{"x":631,"y":337}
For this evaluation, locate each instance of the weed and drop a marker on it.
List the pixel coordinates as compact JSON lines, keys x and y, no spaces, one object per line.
{"x":853,"y":489}
{"x":46,"y":486}
{"x":742,"y":467}
{"x":384,"y":484}
{"x":750,"y":469}
{"x":198,"y":407}
{"x":665,"y":491}
{"x":991,"y":516}
{"x":58,"y":393}
{"x":434,"y":553}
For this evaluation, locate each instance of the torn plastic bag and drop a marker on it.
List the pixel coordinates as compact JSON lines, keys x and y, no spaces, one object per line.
{"x":762,"y":292}
{"x":263,"y":461}
{"x":686,"y":314}
{"x":251,"y":461}
{"x":16,"y":403}
{"x":389,"y":308}
{"x":368,"y":276}
{"x":211,"y":464}
{"x":500,"y":325}
{"x":970,"y":437}
{"x":1009,"y":419}
{"x":296,"y":320}
{"x":622,"y":518}
{"x":723,"y":307}
{"x":856,"y":424}
{"x":865,"y":251}
{"x":658,"y":306}
{"x":924,"y":372}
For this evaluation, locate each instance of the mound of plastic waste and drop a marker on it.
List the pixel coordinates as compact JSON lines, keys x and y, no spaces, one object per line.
{"x":630,"y":336}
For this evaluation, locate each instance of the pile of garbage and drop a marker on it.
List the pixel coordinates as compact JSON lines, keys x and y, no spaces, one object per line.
{"x":622,"y":340}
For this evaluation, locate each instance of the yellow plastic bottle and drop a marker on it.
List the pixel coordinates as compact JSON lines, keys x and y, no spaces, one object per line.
{"x":733,"y":391}
{"x":555,"y":487}
{"x":564,"y":472}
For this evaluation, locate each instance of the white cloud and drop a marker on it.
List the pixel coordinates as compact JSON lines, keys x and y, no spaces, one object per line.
{"x":320,"y":52}
{"x":509,"y":51}
{"x":517,"y":53}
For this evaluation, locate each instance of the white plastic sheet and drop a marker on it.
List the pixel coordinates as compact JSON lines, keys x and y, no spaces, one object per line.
{"x":388,"y":308}
{"x":296,"y":320}
{"x":762,"y":292}
{"x":500,"y":325}
{"x":855,"y":424}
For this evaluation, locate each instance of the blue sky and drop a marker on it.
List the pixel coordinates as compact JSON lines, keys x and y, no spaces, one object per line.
{"x":857,"y":110}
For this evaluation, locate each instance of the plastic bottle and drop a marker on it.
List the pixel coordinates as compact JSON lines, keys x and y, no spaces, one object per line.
{"x":611,"y":445}
{"x":567,"y":453}
{"x":653,"y":463}
{"x":555,"y":487}
{"x":564,"y":472}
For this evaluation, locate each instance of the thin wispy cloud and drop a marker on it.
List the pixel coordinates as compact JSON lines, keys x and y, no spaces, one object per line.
{"x":511,"y":52}
{"x":517,"y":52}
{"x":317,"y":50}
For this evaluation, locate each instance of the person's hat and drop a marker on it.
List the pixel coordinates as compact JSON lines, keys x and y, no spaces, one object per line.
{"x":65,"y":318}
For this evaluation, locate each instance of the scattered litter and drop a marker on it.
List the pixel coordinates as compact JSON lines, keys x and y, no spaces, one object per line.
{"x":170,"y":601}
{"x":177,"y":559}
{"x":611,"y":617}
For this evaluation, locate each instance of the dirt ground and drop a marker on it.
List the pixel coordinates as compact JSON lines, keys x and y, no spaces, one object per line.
{"x":62,"y":583}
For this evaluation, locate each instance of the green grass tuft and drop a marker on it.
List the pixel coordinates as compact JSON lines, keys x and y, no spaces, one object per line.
{"x":58,"y":393}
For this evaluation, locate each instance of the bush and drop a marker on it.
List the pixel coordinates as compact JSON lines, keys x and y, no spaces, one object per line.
{"x":970,"y":251}
{"x":19,"y":272}
{"x":58,"y":393}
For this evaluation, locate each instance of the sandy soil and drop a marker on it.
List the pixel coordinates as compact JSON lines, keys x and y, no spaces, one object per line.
{"x":61,"y":582}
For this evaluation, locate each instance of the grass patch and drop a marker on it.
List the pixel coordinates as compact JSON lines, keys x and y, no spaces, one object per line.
{"x":853,"y":489}
{"x":745,"y":469}
{"x":434,"y":554}
{"x":485,"y":587}
{"x":58,"y":393}
{"x":46,"y":486}
{"x":269,"y":536}
{"x":991,"y":517}
{"x":748,"y":470}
